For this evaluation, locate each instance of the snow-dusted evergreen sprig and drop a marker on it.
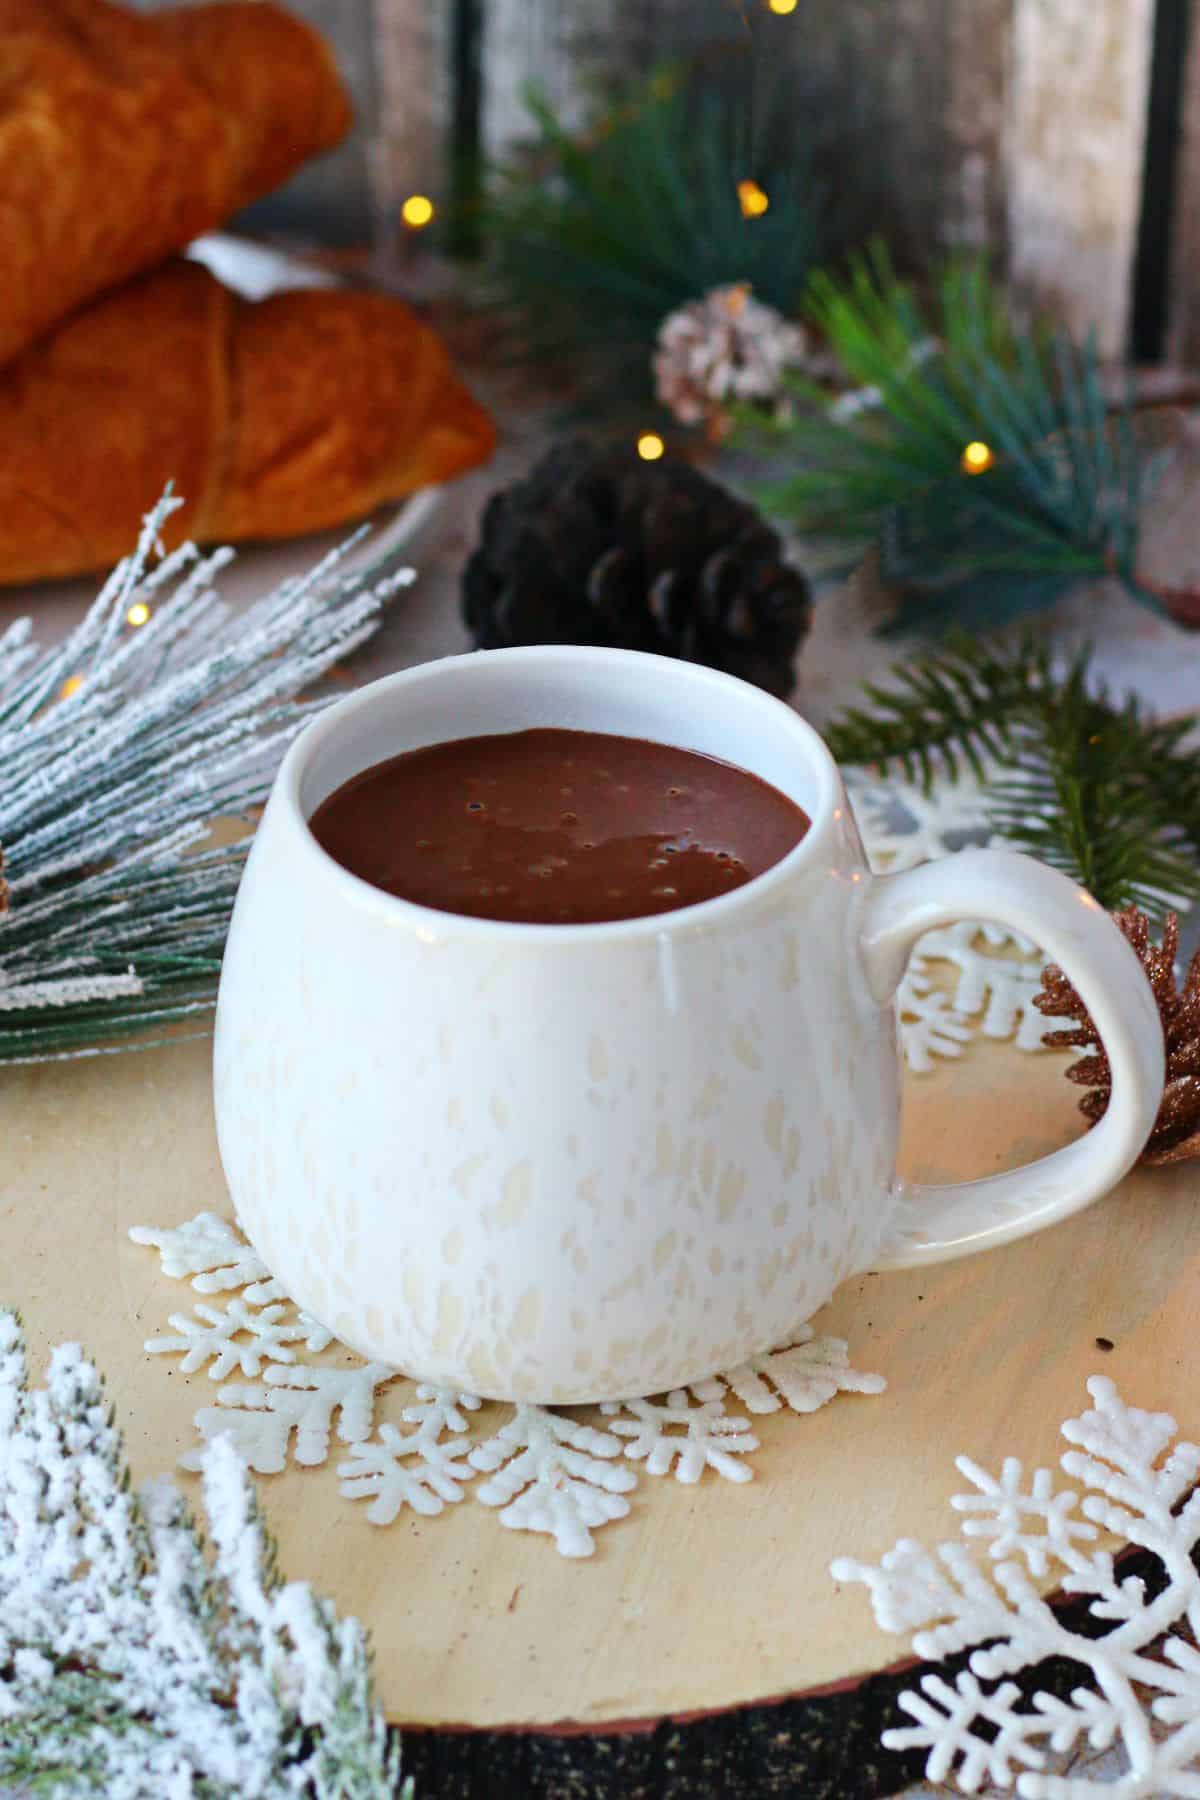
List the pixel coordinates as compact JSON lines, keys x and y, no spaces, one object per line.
{"x":1140,"y":1486}
{"x":137,"y":1662}
{"x":119,"y":747}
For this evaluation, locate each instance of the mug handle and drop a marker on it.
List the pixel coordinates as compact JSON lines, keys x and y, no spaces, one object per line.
{"x":940,"y":1222}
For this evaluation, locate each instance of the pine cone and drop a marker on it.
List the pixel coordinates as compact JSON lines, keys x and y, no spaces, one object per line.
{"x":600,"y":547}
{"x":720,"y":349}
{"x":1176,"y":1134}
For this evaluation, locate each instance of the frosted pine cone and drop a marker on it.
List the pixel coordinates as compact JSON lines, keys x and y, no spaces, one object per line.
{"x":1176,"y":1134}
{"x":726,"y":347}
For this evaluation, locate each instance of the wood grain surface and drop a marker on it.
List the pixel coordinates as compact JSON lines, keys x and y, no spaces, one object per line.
{"x":705,"y":1597}
{"x":639,"y":1674}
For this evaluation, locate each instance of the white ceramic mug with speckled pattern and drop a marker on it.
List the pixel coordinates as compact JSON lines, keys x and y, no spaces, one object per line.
{"x":574,"y":1163}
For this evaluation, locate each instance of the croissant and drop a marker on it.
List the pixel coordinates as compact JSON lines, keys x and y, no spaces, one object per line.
{"x":122,"y":137}
{"x":272,"y":418}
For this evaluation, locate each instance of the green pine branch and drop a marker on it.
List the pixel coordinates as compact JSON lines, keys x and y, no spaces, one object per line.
{"x":1060,"y":498}
{"x":962,"y":705}
{"x":1100,"y":791}
{"x":595,"y":236}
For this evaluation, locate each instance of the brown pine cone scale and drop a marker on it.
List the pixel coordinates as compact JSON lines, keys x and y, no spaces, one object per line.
{"x":600,"y":547}
{"x":1176,"y":1134}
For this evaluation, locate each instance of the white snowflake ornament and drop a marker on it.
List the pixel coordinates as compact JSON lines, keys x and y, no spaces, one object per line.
{"x":546,"y":1473}
{"x":211,"y":1251}
{"x":999,"y":988}
{"x":1141,"y":1486}
{"x":929,"y":1024}
{"x":996,"y":972}
{"x":300,"y":1400}
{"x":902,"y":826}
{"x":553,"y":1475}
{"x":687,"y":1431}
{"x":237,"y":1337}
{"x":804,"y":1377}
{"x":419,"y":1470}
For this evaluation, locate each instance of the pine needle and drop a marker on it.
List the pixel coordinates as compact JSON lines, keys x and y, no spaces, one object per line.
{"x":1100,"y":791}
{"x":120,"y":747}
{"x":595,"y":237}
{"x":1055,"y":498}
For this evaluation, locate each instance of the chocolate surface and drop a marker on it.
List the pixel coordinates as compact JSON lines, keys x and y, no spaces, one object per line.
{"x":554,"y":827}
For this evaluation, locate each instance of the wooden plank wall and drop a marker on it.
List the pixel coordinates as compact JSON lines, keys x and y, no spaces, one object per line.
{"x":1013,"y":124}
{"x":1080,"y":74}
{"x":865,"y":81}
{"x":1183,"y":320}
{"x":412,"y":102}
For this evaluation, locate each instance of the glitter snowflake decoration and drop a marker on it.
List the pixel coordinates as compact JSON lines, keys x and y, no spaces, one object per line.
{"x":1140,"y":1650}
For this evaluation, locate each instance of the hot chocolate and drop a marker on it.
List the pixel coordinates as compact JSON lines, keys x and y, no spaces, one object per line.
{"x":553,"y":827}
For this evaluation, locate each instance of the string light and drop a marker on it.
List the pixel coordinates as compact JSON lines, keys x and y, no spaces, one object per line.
{"x":417,"y":212}
{"x":650,"y":446}
{"x":783,"y":7}
{"x":751,"y":199}
{"x":138,"y":613}
{"x":70,"y":686}
{"x":976,"y":458}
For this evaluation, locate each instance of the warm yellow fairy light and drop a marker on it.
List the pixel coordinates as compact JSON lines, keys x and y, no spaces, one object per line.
{"x":650,"y":446}
{"x":782,"y":6}
{"x":976,"y":458}
{"x":71,"y":685}
{"x":752,"y":200}
{"x":417,"y":212}
{"x":138,"y":613}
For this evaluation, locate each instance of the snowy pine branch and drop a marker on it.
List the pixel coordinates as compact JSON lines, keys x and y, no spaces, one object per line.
{"x":135,"y":1660}
{"x":119,"y":748}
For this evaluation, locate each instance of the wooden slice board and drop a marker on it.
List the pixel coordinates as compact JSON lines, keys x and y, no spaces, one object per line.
{"x":706,"y":1598}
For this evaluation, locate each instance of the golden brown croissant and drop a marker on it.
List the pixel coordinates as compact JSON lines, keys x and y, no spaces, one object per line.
{"x":123,"y":137}
{"x":272,"y":418}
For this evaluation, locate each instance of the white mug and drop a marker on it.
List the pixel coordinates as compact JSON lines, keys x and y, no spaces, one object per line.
{"x":567,"y":1163}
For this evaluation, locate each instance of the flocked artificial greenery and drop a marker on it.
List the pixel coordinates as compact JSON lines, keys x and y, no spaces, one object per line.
{"x":1099,"y":790}
{"x":138,"y":1662}
{"x":119,"y":748}
{"x":1053,"y":496}
{"x":597,"y":235}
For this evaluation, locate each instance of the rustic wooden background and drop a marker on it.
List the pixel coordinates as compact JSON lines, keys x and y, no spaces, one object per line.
{"x":1048,"y":130}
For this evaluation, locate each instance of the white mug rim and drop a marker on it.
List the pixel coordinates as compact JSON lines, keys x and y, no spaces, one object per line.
{"x":434,"y":924}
